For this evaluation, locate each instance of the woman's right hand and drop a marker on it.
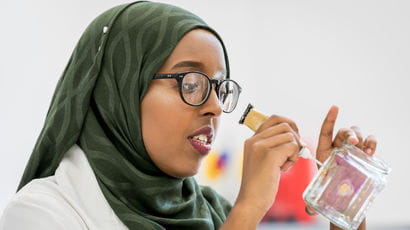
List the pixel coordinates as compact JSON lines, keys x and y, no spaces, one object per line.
{"x":273,"y":148}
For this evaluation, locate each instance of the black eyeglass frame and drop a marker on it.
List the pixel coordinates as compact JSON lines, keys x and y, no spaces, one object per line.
{"x":180,"y":76}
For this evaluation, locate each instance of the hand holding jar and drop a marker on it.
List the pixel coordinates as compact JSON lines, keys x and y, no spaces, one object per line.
{"x":349,"y":179}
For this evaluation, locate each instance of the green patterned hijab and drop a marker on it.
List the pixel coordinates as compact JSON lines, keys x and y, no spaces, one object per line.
{"x":96,"y":105}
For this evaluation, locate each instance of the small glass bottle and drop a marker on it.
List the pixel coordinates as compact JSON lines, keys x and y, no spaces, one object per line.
{"x":346,"y":185}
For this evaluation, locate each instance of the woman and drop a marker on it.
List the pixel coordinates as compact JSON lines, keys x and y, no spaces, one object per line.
{"x":133,"y":115}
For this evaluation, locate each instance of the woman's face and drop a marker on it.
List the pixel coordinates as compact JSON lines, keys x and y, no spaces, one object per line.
{"x":176,"y":135}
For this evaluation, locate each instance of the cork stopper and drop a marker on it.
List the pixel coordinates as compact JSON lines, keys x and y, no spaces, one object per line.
{"x":252,"y":118}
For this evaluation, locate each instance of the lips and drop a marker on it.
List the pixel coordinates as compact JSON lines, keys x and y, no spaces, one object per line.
{"x":201,"y":140}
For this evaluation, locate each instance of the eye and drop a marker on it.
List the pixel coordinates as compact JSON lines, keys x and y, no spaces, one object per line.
{"x":189,"y":87}
{"x":192,"y":83}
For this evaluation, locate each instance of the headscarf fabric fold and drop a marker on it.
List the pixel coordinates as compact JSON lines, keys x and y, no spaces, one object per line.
{"x":96,"y":105}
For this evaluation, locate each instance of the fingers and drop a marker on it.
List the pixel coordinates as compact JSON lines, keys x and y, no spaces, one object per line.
{"x":283,"y":128}
{"x":326,"y":132}
{"x":346,"y":134}
{"x":274,"y":141}
{"x":281,"y":150}
{"x":290,"y":162}
{"x":274,"y":120}
{"x":286,"y":166}
{"x":355,"y":137}
{"x":370,"y":145}
{"x":278,"y":129}
{"x":278,"y":139}
{"x":351,"y":135}
{"x":359,"y":137}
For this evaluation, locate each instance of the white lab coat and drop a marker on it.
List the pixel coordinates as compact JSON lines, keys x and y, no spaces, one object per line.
{"x":69,"y":200}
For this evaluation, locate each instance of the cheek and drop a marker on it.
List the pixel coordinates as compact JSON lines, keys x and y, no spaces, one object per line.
{"x":165,"y":124}
{"x":158,"y":119}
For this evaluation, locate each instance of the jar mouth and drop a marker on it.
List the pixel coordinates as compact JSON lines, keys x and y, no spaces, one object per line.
{"x":370,"y":161}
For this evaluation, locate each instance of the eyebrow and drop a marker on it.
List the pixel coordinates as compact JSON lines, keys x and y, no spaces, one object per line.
{"x":192,"y":64}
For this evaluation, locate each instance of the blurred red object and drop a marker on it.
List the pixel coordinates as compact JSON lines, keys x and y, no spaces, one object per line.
{"x":289,"y":205}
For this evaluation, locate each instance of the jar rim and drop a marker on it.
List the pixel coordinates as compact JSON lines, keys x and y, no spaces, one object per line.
{"x":373,"y":162}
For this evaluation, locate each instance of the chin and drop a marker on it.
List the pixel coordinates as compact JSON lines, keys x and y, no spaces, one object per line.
{"x":185,"y":174}
{"x":181,"y":168}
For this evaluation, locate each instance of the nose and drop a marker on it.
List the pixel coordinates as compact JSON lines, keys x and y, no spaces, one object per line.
{"x":212,"y":106}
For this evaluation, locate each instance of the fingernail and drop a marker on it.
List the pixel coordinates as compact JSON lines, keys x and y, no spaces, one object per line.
{"x":353,"y":140}
{"x":368,"y":151}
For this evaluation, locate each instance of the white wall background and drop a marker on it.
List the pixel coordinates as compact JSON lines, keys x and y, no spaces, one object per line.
{"x":293,"y":58}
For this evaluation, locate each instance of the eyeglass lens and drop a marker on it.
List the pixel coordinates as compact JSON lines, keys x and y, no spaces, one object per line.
{"x":196,"y":87}
{"x":228,"y":95}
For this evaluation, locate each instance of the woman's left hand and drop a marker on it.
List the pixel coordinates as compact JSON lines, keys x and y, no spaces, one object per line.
{"x":351,"y":135}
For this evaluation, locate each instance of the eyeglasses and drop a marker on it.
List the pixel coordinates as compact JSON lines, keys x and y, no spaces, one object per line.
{"x":195,"y":88}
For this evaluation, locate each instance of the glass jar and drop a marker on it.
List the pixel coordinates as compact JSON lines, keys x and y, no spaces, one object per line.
{"x":346,"y":185}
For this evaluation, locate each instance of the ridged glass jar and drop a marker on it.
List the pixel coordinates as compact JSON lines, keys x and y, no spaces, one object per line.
{"x":346,"y":185}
